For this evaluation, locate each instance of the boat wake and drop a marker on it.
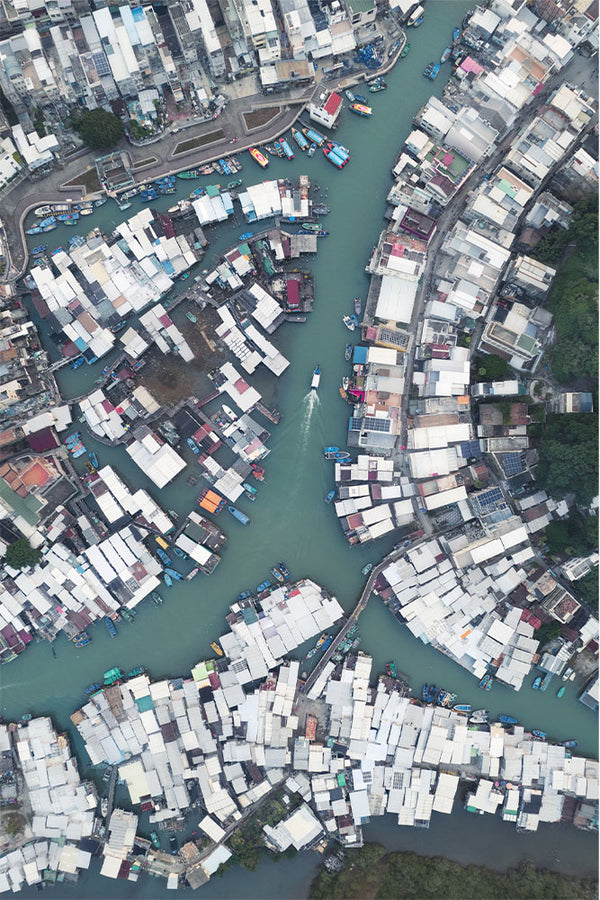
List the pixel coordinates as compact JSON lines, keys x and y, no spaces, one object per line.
{"x":310,"y":406}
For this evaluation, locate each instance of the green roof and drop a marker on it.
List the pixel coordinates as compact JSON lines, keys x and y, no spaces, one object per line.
{"x":144,"y":703}
{"x":360,"y":6}
{"x":26,"y":507}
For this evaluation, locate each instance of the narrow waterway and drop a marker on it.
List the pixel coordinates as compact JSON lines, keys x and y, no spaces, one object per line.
{"x":289,"y":519}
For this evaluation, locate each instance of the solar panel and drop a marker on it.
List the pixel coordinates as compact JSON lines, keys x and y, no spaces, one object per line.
{"x":373,"y":424}
{"x":101,"y":64}
{"x":512,"y":463}
{"x":355,"y":424}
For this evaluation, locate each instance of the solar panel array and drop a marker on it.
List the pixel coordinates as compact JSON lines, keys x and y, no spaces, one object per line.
{"x":512,"y":463}
{"x":101,"y":64}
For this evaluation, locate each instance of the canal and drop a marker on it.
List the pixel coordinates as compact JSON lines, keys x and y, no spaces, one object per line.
{"x":289,"y":519}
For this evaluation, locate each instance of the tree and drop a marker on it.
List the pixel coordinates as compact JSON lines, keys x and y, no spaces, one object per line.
{"x":99,"y":129}
{"x":587,"y":589}
{"x":21,"y":554}
{"x":568,"y":456}
{"x":575,"y":535}
{"x":491,"y":367}
{"x":549,"y":631}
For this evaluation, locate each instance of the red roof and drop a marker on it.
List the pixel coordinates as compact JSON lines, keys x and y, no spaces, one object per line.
{"x":293,"y":294}
{"x":333,"y":103}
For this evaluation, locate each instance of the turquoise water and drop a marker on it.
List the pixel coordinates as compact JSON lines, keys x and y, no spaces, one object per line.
{"x":289,"y":519}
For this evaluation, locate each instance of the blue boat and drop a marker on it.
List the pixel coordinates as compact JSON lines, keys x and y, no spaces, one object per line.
{"x":486,"y":683}
{"x":299,"y":138}
{"x":328,"y":642}
{"x":164,"y":557}
{"x":92,"y":688}
{"x":360,"y":99}
{"x":348,"y":352}
{"x":329,"y":496}
{"x":263,"y":586}
{"x":37,"y":250}
{"x":433,"y":692}
{"x":77,"y":362}
{"x":286,"y":148}
{"x":168,"y":579}
{"x":180,"y":553}
{"x":424,"y":693}
{"x":193,"y":445}
{"x":537,"y":683}
{"x":284,"y":571}
{"x":432,"y":71}
{"x":246,"y":235}
{"x":330,"y":449}
{"x":456,"y":32}
{"x":313,"y":136}
{"x":112,"y":628}
{"x":174,"y":574}
{"x":239,"y":515}
{"x":570,"y":744}
{"x":93,"y":458}
{"x":149,"y":194}
{"x":539,"y":734}
{"x":244,"y":594}
{"x":312,"y":149}
{"x":462,"y":707}
{"x":507,"y":720}
{"x":445,"y":55}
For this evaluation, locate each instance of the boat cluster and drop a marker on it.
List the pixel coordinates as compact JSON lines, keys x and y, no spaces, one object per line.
{"x":52,"y":215}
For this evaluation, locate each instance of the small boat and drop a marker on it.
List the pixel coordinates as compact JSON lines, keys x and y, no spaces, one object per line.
{"x":93,"y":458}
{"x":92,"y":688}
{"x":350,"y":322}
{"x":339,"y":455}
{"x":244,"y":594}
{"x":180,"y":553}
{"x":112,"y":628}
{"x":338,"y":161}
{"x":189,"y":173}
{"x":192,"y":318}
{"x":327,"y":450}
{"x":311,"y":226}
{"x":507,"y":720}
{"x":91,"y":468}
{"x":155,"y":840}
{"x":432,"y":71}
{"x":156,"y":598}
{"x":263,"y":586}
{"x":456,"y":33}
{"x":311,"y":653}
{"x":277,"y":575}
{"x":258,"y":157}
{"x":320,"y":210}
{"x":184,"y":276}
{"x":278,"y":149}
{"x":570,"y":744}
{"x":104,"y":807}
{"x":168,"y":579}
{"x":561,"y":692}
{"x":329,"y":496}
{"x":486,"y":682}
{"x":316,"y":378}
{"x":235,"y":184}
{"x":284,"y":570}
{"x":479,"y":717}
{"x":425,"y":692}
{"x":445,"y":55}
{"x":112,"y":676}
{"x":390,"y":669}
{"x":350,"y":96}
{"x":377,"y":86}
{"x":357,"y":306}
{"x":246,"y":236}
{"x":313,"y":136}
{"x":174,"y":574}
{"x":299,"y":138}
{"x":258,"y":472}
{"x":164,"y":557}
{"x":312,"y":149}
{"x":38,"y":250}
{"x":35,"y":229}
{"x":462,"y":708}
{"x":214,"y":646}
{"x":568,"y":674}
{"x":82,"y":640}
{"x":366,"y":569}
{"x":537,"y":683}
{"x":405,"y":51}
{"x":321,"y":641}
{"x":289,"y":153}
{"x":43,"y":211}
{"x":541,"y":735}
{"x":418,"y":21}
{"x":239,"y":515}
{"x":193,"y":445}
{"x":77,"y":362}
{"x":348,"y":352}
{"x":345,"y":383}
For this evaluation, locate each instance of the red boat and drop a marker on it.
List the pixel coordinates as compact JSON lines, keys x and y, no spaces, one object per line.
{"x":258,"y":472}
{"x":258,"y":157}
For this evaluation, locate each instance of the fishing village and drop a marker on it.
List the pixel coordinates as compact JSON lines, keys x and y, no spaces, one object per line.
{"x":141,"y":436}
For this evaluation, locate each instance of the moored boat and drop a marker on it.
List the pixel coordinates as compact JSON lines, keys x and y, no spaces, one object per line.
{"x":561,"y":692}
{"x":193,"y":446}
{"x":192,"y":318}
{"x":361,"y":109}
{"x":350,"y":322}
{"x":462,"y":707}
{"x":312,"y":150}
{"x":348,"y":352}
{"x":329,"y":497}
{"x":537,"y":683}
{"x":92,"y":688}
{"x":258,"y":472}
{"x":238,"y":514}
{"x":541,"y":735}
{"x":338,"y":455}
{"x":405,"y":50}
{"x":339,"y":161}
{"x":284,"y":570}
{"x":320,"y":210}
{"x":445,"y":55}
{"x":570,"y":744}
{"x":345,"y":383}
{"x":486,"y":682}
{"x":180,"y":553}
{"x":235,"y":184}
{"x":507,"y":720}
{"x":311,"y":226}
{"x":214,"y":646}
{"x":377,"y":86}
{"x":156,"y":598}
{"x":313,"y":136}
{"x":390,"y":669}
{"x":277,"y":575}
{"x":189,"y":173}
{"x":110,"y":625}
{"x":244,"y":594}
{"x":357,"y":306}
{"x":246,"y":235}
{"x":168,"y":579}
{"x":366,"y":569}
{"x":289,"y":153}
{"x":479,"y":717}
{"x":155,"y":840}
{"x":93,"y":458}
